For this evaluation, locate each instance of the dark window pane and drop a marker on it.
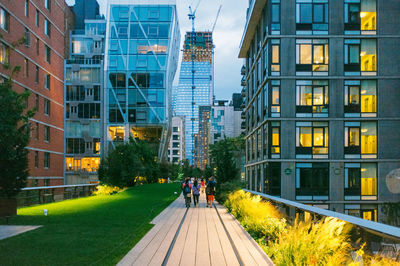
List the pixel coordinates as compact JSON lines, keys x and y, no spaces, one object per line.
{"x":275,"y":14}
{"x":305,"y":13}
{"x":318,"y":13}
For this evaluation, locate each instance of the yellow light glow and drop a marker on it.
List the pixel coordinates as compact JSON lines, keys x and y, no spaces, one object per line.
{"x":363,"y":14}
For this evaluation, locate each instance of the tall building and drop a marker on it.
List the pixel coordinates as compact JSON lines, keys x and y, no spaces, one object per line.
{"x":225,"y":121}
{"x":176,"y":148}
{"x":83,"y":97}
{"x":41,"y":58}
{"x":321,"y":117}
{"x":142,"y":44}
{"x":85,"y":9}
{"x":203,"y":138}
{"x":189,"y":98}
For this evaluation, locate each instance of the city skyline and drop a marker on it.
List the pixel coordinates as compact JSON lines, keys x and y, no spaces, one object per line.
{"x":227,"y":35}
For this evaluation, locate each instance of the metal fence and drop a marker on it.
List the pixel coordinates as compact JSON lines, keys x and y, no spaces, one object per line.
{"x":40,"y":195}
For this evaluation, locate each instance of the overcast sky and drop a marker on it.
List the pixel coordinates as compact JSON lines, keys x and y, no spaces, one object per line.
{"x":227,"y":35}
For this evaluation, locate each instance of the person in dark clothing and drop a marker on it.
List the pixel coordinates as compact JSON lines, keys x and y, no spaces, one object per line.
{"x":210,"y":191}
{"x":187,"y":189}
{"x":196,"y":193}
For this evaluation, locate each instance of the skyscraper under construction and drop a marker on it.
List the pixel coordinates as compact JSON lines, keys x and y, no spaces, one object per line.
{"x":196,"y":85}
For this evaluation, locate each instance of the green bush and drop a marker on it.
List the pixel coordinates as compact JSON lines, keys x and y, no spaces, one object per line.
{"x":225,"y":189}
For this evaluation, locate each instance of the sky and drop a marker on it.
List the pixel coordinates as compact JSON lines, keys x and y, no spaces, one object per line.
{"x":227,"y":35}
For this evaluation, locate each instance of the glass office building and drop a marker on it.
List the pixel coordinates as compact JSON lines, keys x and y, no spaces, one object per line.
{"x":203,"y":90}
{"x":142,"y":44}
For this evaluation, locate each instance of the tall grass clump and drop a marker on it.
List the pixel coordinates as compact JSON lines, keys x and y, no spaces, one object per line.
{"x":106,"y":190}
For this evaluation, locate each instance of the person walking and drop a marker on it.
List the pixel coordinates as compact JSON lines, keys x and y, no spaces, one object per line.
{"x":187,"y":189}
{"x":196,"y":193}
{"x":203,"y":185}
{"x":210,"y":191}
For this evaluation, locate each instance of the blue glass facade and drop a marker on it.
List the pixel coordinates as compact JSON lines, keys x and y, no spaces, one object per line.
{"x":203,"y":92}
{"x":142,"y":43}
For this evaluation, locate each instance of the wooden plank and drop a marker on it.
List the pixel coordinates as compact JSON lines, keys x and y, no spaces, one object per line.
{"x":148,"y":253}
{"x":135,"y":252}
{"x":244,"y":254}
{"x":175,"y":256}
{"x":189,"y":252}
{"x":160,"y":254}
{"x":229,"y":253}
{"x":203,"y":249}
{"x":167,"y":211}
{"x":216,"y":253}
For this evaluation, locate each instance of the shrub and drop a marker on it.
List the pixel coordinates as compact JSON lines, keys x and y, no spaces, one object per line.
{"x":225,"y":189}
{"x":106,"y":190}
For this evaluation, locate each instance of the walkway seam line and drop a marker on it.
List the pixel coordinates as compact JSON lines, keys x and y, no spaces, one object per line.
{"x":230,"y":239}
{"x":165,"y":261}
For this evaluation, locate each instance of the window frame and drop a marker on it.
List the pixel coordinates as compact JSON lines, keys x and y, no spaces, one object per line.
{"x":5,"y":25}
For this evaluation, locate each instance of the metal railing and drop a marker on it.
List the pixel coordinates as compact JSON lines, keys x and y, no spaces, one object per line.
{"x":47,"y":194}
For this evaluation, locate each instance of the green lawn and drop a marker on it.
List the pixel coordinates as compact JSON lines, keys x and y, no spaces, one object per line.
{"x":96,"y":230}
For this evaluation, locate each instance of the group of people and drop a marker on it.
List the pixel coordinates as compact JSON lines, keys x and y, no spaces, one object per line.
{"x":191,"y":188}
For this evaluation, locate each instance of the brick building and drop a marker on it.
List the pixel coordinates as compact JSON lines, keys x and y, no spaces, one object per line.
{"x":41,"y":58}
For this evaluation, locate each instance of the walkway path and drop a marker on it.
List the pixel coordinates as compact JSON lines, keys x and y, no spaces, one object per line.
{"x":7,"y":231}
{"x":198,"y":236}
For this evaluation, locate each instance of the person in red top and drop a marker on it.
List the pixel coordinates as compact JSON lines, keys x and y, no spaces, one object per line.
{"x":203,"y":185}
{"x":187,"y":192}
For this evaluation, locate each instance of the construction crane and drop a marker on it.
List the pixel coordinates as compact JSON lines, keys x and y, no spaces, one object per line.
{"x":192,"y":17}
{"x":216,"y":18}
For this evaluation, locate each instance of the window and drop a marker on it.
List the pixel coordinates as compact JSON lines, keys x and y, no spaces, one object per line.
{"x":360,"y":98}
{"x":275,"y":17}
{"x":36,"y":159}
{"x":312,"y":56}
{"x":275,"y":139}
{"x":37,"y":46}
{"x":47,"y":81}
{"x":312,"y":181}
{"x":360,"y":181}
{"x":46,"y":160}
{"x":360,"y":140}
{"x":37,"y":74}
{"x":275,"y":98}
{"x":312,"y":140}
{"x":360,"y":55}
{"x":154,"y":14}
{"x":37,"y":101}
{"x":175,"y":137}
{"x":75,"y":146}
{"x":175,"y":129}
{"x":47,"y":26}
{"x":4,"y":54}
{"x":272,"y":179}
{"x":312,"y":98}
{"x":26,"y":6}
{"x":37,"y":18}
{"x":275,"y":57}
{"x":37,"y":131}
{"x":26,"y":68}
{"x":46,"y":133}
{"x":4,"y":20}
{"x":27,"y":37}
{"x":47,"y":52}
{"x":312,"y":17}
{"x":46,"y":107}
{"x":360,"y":17}
{"x":47,"y":4}
{"x":175,"y":145}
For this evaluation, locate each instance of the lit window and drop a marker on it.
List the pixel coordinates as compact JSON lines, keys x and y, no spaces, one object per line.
{"x":312,"y":55}
{"x":116,"y":133}
{"x":26,"y":68}
{"x":4,"y":19}
{"x":360,"y":140}
{"x":4,"y":54}
{"x":86,"y":164}
{"x":312,"y":98}
{"x":312,"y":139}
{"x":360,"y":15}
{"x":275,"y":139}
{"x":360,"y":181}
{"x":275,"y":57}
{"x":360,"y":98}
{"x":360,"y":55}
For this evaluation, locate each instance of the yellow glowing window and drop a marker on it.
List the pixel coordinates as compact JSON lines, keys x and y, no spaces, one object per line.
{"x":368,"y":138}
{"x":318,"y":54}
{"x":305,"y":137}
{"x":318,"y":137}
{"x":368,"y":96}
{"x":275,"y":137}
{"x":354,"y":95}
{"x":370,"y":215}
{"x":368,"y":15}
{"x":318,"y":98}
{"x":117,"y":133}
{"x":305,"y":54}
{"x":306,"y":95}
{"x":354,"y":136}
{"x":368,"y":55}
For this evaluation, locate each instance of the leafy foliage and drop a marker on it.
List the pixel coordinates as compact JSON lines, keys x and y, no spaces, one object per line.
{"x":14,"y":137}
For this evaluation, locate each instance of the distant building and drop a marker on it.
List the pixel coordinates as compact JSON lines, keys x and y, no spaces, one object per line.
{"x":203,"y":139}
{"x":142,"y":44}
{"x":83,"y":108}
{"x":188,"y":98}
{"x":176,"y":149}
{"x":85,"y":9}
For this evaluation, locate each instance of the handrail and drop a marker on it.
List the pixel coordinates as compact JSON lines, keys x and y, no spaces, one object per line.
{"x":373,"y":227}
{"x":60,"y":186}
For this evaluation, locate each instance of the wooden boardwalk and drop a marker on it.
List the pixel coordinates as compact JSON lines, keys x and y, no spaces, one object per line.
{"x":206,"y":236}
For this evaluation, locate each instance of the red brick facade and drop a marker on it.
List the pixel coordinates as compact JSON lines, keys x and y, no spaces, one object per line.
{"x":34,"y":53}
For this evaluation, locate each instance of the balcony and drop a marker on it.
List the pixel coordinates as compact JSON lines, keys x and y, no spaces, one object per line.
{"x":243,"y":81}
{"x":243,"y":92}
{"x":243,"y":115}
{"x":243,"y":125}
{"x":243,"y":71}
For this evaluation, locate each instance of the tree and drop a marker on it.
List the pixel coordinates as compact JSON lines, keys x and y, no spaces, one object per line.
{"x":208,"y":172}
{"x":14,"y":137}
